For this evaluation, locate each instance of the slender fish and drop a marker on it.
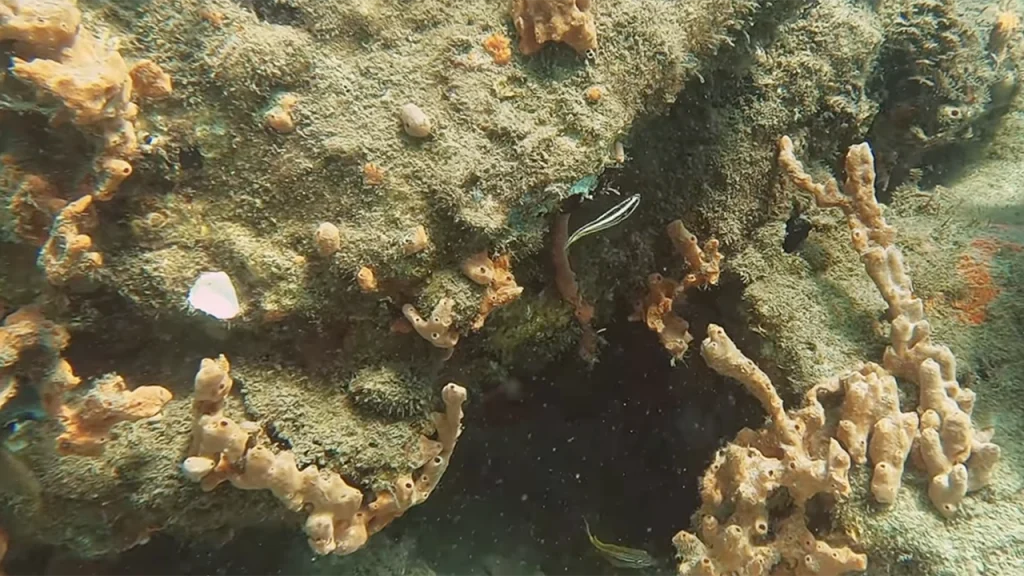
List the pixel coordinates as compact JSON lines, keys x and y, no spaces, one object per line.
{"x":612,"y":217}
{"x":620,"y":556}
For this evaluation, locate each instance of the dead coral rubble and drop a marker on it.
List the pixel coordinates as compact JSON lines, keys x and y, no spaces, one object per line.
{"x":339,"y":522}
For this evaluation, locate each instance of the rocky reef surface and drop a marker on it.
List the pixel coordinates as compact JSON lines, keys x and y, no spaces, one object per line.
{"x":388,"y":189}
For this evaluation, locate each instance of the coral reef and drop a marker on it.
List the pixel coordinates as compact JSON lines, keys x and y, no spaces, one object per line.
{"x":438,"y":330}
{"x":382,"y":554}
{"x":81,"y":79}
{"x":390,"y":391}
{"x":495,"y":275}
{"x":87,"y":77}
{"x":568,"y":288}
{"x":542,"y":21}
{"x":792,"y":453}
{"x":68,"y":253}
{"x":31,"y":362}
{"x":87,"y":422}
{"x":656,"y":309}
{"x":795,"y":453}
{"x":344,"y":156}
{"x":942,"y":88}
{"x":35,"y":378}
{"x":34,"y":203}
{"x":947,"y":435}
{"x":338,"y":521}
{"x":366,"y":174}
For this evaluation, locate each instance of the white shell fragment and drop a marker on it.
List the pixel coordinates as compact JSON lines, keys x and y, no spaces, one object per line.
{"x":214,"y":294}
{"x":415,"y":121}
{"x":196,"y":468}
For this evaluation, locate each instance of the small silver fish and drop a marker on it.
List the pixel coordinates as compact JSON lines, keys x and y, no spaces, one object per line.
{"x":620,"y":556}
{"x":612,"y":217}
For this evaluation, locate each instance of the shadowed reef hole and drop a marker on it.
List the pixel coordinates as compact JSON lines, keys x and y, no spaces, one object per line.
{"x":623,"y":445}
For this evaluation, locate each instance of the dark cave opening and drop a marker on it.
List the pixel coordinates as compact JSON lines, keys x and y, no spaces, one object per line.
{"x":622,"y":444}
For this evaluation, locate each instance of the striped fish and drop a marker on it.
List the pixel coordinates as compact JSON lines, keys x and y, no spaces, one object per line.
{"x":615,"y":216}
{"x":620,"y":556}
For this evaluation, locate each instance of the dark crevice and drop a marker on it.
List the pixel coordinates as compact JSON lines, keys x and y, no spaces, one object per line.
{"x":273,"y":12}
{"x":623,"y":444}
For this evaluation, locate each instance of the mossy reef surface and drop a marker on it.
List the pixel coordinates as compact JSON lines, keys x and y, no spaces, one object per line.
{"x":286,"y":114}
